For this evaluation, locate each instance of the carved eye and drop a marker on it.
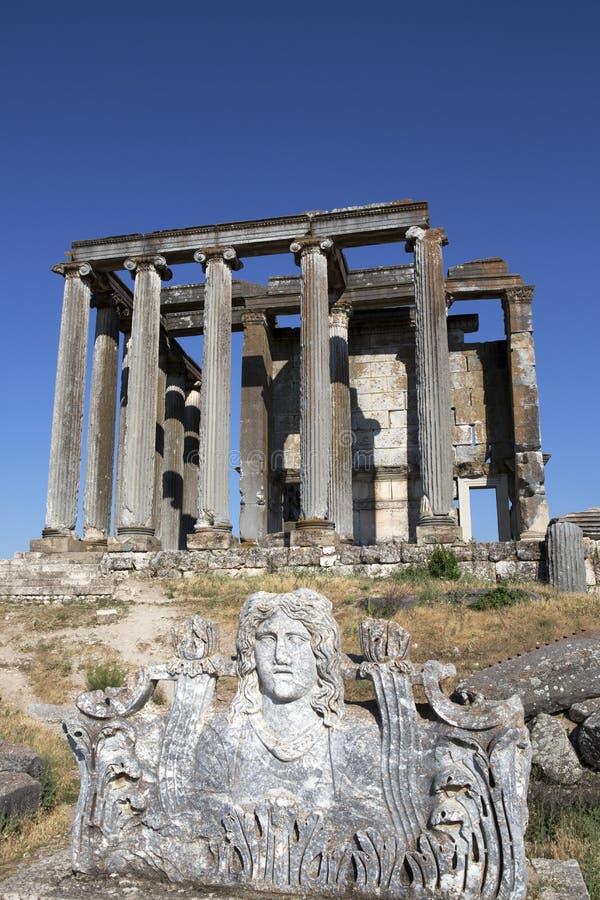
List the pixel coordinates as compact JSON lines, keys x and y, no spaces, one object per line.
{"x":265,"y":637}
{"x":296,"y":639}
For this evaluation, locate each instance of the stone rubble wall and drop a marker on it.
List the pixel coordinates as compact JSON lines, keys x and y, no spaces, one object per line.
{"x":91,"y":577}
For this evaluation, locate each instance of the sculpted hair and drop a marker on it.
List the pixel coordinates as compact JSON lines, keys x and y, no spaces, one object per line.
{"x":313,"y":610}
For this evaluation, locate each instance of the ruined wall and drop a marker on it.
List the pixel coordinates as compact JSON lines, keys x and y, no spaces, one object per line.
{"x":386,"y":489}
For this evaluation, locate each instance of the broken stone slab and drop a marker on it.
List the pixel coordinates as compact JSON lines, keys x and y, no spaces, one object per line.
{"x":20,"y":795}
{"x":50,"y":712}
{"x":588,"y":741}
{"x":107,"y":616}
{"x":556,"y":879}
{"x":553,"y":754}
{"x":20,"y":758}
{"x":579,"y":712}
{"x":548,"y":679}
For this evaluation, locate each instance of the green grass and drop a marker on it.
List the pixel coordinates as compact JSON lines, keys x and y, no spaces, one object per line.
{"x":101,"y":675}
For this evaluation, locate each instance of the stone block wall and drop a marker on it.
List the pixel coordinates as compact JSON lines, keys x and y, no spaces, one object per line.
{"x":386,"y":487}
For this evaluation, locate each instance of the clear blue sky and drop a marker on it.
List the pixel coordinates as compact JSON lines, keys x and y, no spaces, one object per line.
{"x":122,"y":117}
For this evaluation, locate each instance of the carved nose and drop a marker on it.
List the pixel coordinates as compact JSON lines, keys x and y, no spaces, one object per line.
{"x":282,"y":651}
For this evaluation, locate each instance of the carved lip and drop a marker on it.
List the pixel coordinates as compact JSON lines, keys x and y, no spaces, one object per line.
{"x":280,"y":670}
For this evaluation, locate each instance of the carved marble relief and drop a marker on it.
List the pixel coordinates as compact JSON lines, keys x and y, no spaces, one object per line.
{"x":290,"y":789}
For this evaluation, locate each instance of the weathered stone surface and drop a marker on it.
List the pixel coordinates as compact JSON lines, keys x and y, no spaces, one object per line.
{"x":549,"y":679}
{"x":579,"y":712}
{"x":20,"y":758}
{"x":20,"y":795}
{"x":588,"y":740}
{"x":291,"y":790}
{"x":566,"y":565}
{"x":554,"y":879}
{"x":552,"y":753}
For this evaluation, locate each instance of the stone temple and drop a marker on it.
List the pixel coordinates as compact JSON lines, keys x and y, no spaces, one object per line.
{"x":370,"y":422}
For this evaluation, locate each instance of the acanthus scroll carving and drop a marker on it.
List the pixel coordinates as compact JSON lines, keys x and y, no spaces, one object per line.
{"x":290,"y":789}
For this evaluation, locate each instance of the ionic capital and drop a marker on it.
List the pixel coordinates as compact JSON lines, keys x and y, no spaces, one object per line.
{"x":254,"y":317}
{"x":340,"y":312}
{"x":428,"y":235}
{"x":228,"y":255}
{"x":521,"y":294}
{"x":148,"y":263}
{"x":305,"y":245}
{"x":74,"y":270}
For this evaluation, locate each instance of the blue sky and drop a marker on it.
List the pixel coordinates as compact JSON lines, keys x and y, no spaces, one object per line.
{"x":125,"y":117}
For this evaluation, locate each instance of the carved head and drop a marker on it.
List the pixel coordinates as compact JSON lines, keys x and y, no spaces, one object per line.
{"x":311,"y":630}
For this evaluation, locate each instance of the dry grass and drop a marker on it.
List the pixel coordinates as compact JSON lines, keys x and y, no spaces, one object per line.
{"x":60,"y":786}
{"x":50,"y":617}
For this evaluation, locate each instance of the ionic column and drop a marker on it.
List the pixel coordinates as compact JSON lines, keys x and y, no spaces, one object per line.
{"x":254,"y":430}
{"x":437,"y":521}
{"x":172,"y":474}
{"x":97,"y":497}
{"x":137,"y":484}
{"x":213,"y":483}
{"x":69,"y":397}
{"x":340,"y":486}
{"x":530,"y":509}
{"x":315,"y":393}
{"x":191,"y":453}
{"x":121,"y":429}
{"x":159,"y":440}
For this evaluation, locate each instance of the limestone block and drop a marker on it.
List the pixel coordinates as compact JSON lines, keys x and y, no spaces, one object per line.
{"x":549,"y":679}
{"x":107,"y":616}
{"x":554,"y":879}
{"x":474,"y":361}
{"x":528,"y":571}
{"x":588,"y":740}
{"x":579,"y":712}
{"x":462,"y":434}
{"x":484,"y":570}
{"x":20,"y":758}
{"x":399,"y":489}
{"x":552,"y":753}
{"x":20,"y":795}
{"x":398,"y":416}
{"x":458,"y":363}
{"x":530,"y":550}
{"x":506,"y":570}
{"x":397,"y":383}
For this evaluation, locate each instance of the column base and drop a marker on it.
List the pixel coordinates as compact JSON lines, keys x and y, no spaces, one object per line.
{"x":313,"y":533}
{"x":532,"y":536}
{"x":133,"y":539}
{"x":439,"y":531}
{"x":58,"y":543}
{"x":212,"y":538}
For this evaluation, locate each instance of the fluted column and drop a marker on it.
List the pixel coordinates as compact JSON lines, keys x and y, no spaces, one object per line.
{"x":254,"y":427}
{"x":437,"y":521}
{"x":69,"y":398}
{"x":137,"y":486}
{"x":191,"y":453}
{"x":215,"y":420}
{"x":97,"y":497}
{"x":121,"y":429}
{"x":340,"y":486}
{"x":173,"y":461}
{"x":530,"y":509}
{"x":315,"y":394}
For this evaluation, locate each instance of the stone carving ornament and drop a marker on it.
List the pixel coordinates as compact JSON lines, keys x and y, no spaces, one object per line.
{"x":291,"y":791}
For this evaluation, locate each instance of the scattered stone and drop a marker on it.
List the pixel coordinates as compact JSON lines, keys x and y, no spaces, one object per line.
{"x":556,"y":879}
{"x":552,"y":678}
{"x":20,"y":795}
{"x":20,"y":758}
{"x":588,"y":740}
{"x":553,"y":754}
{"x":579,"y":712}
{"x":107,"y":616}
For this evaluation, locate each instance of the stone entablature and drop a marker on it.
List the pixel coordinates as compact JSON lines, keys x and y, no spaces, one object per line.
{"x":369,"y":421}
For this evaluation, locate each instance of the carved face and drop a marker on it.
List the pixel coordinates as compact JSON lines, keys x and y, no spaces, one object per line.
{"x":285,"y":662}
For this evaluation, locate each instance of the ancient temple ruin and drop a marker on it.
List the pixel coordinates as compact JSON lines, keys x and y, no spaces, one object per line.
{"x":369,"y":422}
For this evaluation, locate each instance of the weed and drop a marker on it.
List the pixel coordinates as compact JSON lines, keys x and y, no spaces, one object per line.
{"x":500,"y":597}
{"x":109,"y":673}
{"x":411,"y":574}
{"x":444,"y":564}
